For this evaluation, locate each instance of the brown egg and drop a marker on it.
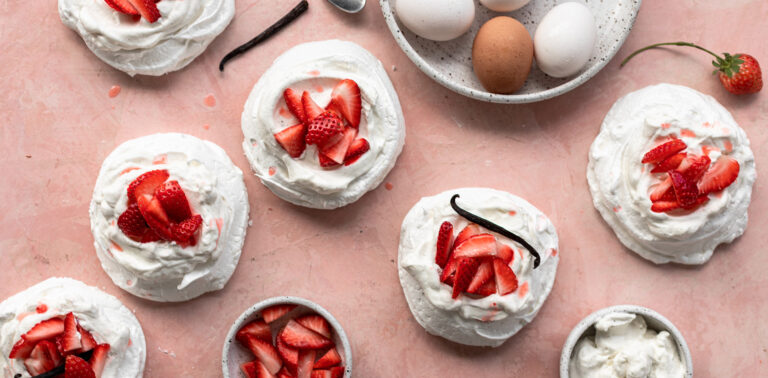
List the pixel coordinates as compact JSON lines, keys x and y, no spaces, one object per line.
{"x":502,"y":55}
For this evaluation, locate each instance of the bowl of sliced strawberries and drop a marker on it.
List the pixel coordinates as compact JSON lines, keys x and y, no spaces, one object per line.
{"x":286,"y":337}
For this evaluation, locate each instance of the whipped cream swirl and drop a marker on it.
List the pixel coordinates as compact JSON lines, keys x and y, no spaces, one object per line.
{"x":98,"y":312}
{"x":184,"y":30}
{"x":487,"y":321}
{"x":164,"y":270}
{"x":317,"y":67}
{"x":624,"y":347}
{"x":621,"y":184}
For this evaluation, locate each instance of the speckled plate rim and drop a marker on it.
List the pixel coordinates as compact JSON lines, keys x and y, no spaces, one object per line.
{"x":591,"y":319}
{"x":229,"y":340}
{"x":464,"y":90}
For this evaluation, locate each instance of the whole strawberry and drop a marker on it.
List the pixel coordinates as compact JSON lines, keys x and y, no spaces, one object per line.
{"x":739,"y":73}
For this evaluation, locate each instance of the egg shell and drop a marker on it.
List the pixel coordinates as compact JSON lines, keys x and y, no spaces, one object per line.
{"x":437,"y":20}
{"x":504,"y":5}
{"x":565,"y":39}
{"x":502,"y":55}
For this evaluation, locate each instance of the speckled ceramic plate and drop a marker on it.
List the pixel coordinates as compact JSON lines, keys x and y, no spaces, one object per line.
{"x":450,"y":63}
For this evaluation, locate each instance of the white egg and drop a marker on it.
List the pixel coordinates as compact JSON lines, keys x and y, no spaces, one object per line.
{"x":438,"y":20}
{"x":504,"y":5}
{"x":565,"y":39}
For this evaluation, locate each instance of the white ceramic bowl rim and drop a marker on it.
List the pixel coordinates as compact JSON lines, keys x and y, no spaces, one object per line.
{"x":590,"y":320}
{"x":229,"y":340}
{"x":499,"y":98}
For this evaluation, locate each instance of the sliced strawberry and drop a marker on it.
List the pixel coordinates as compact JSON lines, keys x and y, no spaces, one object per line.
{"x":506,"y":281}
{"x":694,"y":166}
{"x":488,"y":288}
{"x":99,"y":359}
{"x":173,"y":200}
{"x":297,"y":336}
{"x":477,"y":246}
{"x":316,"y":323}
{"x":664,"y":151}
{"x":356,"y":150}
{"x":505,"y":252}
{"x":257,"y":328}
{"x":146,"y":183}
{"x":484,"y":274}
{"x":21,"y":349}
{"x":264,"y":352}
{"x":311,"y":109}
{"x":334,"y":372}
{"x":155,"y":216}
{"x":449,"y":271}
{"x":330,"y":358}
{"x":685,"y":189}
{"x":306,"y":361}
{"x":663,"y":190}
{"x":465,"y":271}
{"x":147,"y":9}
{"x":326,"y":162}
{"x":122,"y":6}
{"x":664,"y":206}
{"x":444,"y":243}
{"x":272,"y":313}
{"x":325,"y":130}
{"x":47,"y":329}
{"x":289,"y":355}
{"x":293,"y":140}
{"x":262,"y":371}
{"x":132,"y":223}
{"x":467,"y":232}
{"x":184,"y":232}
{"x":721,"y":175}
{"x":42,"y":358}
{"x":76,"y":367}
{"x":337,"y":372}
{"x":669,"y":163}
{"x":249,"y":369}
{"x":86,"y":340}
{"x":345,"y":98}
{"x":70,"y":340}
{"x":295,"y":106}
{"x":285,"y":373}
{"x":338,"y":151}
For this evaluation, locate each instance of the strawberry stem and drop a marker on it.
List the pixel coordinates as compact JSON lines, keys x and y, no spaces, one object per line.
{"x":718,"y":58}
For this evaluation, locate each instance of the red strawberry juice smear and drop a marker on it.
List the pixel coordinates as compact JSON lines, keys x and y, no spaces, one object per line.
{"x":209,"y":101}
{"x":114,"y":91}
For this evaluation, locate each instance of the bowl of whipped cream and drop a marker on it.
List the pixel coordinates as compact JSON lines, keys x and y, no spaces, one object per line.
{"x":625,"y":341}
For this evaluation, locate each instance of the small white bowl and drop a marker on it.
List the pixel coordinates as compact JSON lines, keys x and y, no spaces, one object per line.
{"x":654,"y":320}
{"x":450,"y":63}
{"x":233,"y":355}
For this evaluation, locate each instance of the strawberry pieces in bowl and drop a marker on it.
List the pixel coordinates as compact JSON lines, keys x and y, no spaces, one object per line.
{"x":158,"y":210}
{"x":60,"y":345}
{"x":686,"y":179}
{"x":333,"y":129}
{"x":286,"y":337}
{"x":475,"y":263}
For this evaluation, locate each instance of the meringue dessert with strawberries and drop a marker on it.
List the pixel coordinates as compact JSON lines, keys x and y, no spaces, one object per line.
{"x":323,"y":125}
{"x":169,"y":215}
{"x":64,"y":328}
{"x":476,"y":264}
{"x":147,"y":37}
{"x":672,"y":172}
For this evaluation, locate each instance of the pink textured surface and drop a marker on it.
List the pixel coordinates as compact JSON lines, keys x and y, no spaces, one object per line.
{"x":58,"y":123}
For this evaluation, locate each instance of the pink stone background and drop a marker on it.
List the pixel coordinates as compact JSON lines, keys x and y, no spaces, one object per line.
{"x":57,"y":123}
